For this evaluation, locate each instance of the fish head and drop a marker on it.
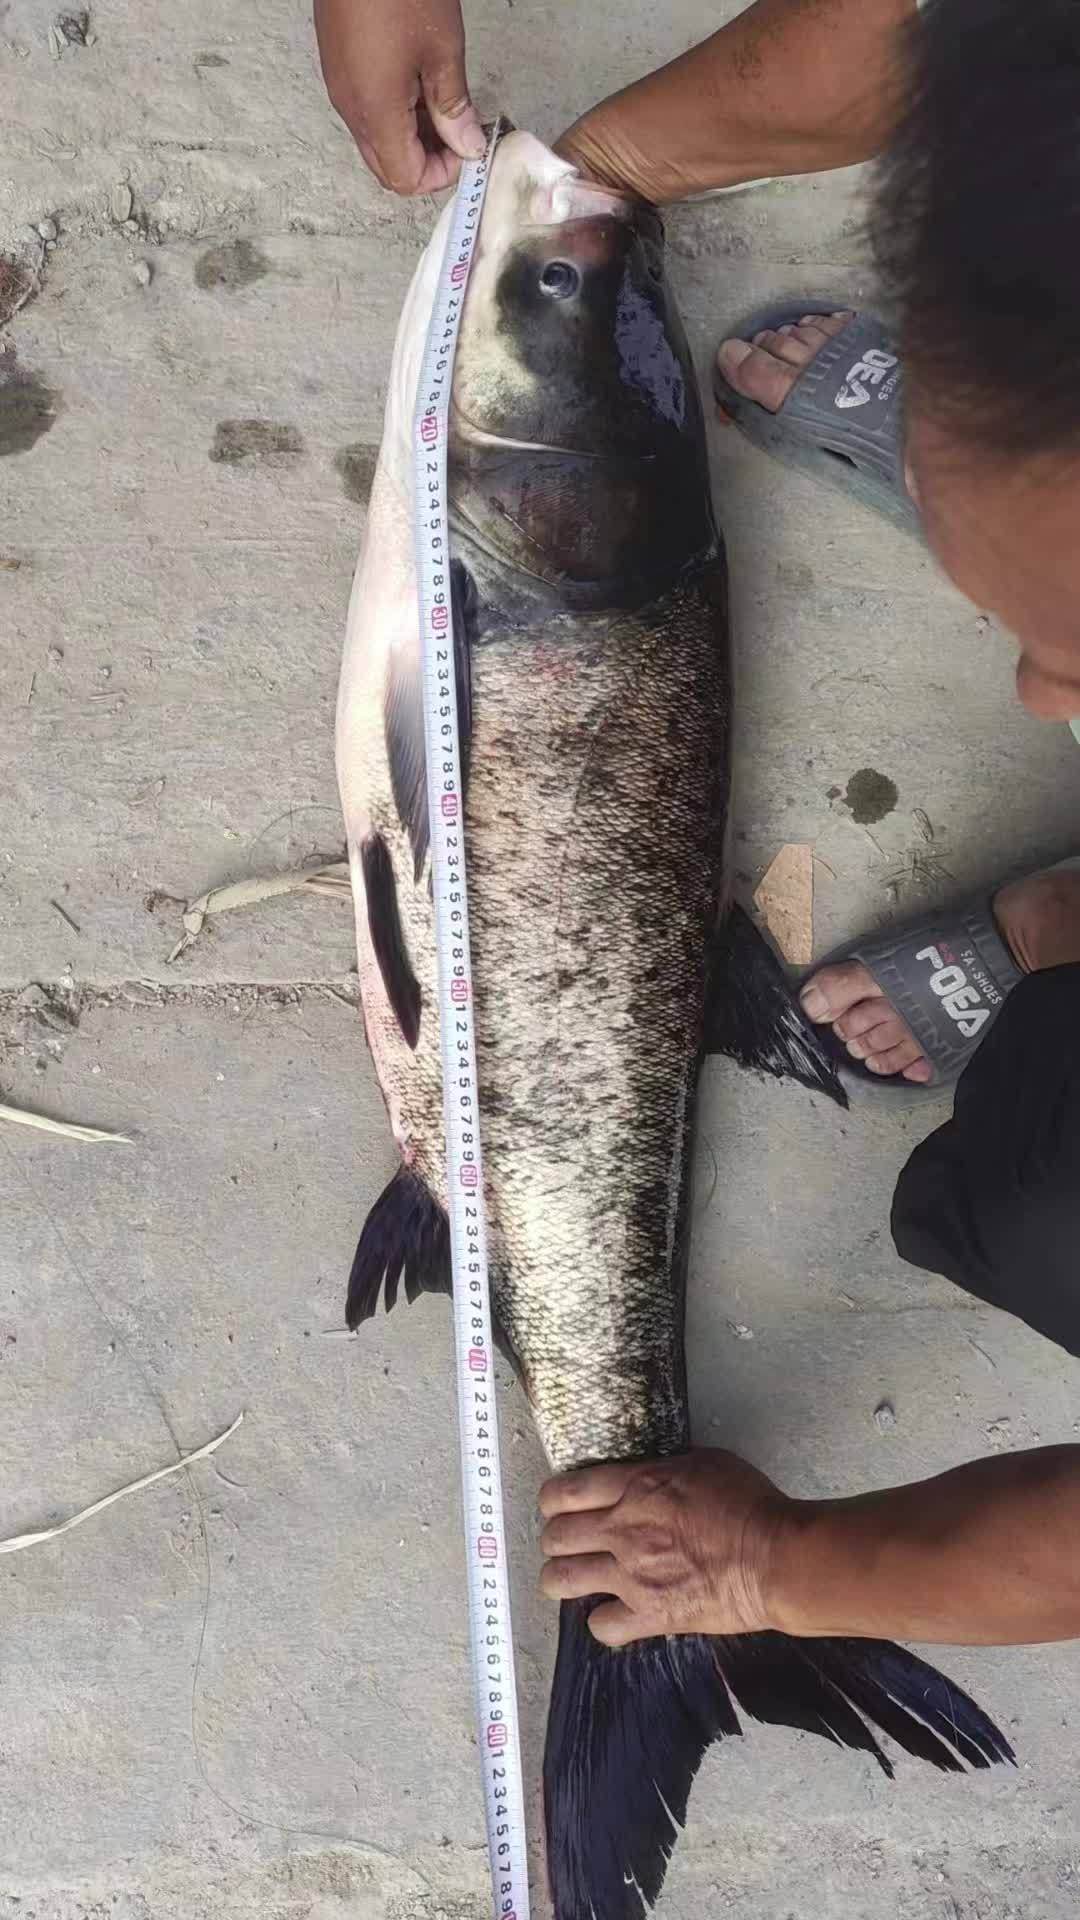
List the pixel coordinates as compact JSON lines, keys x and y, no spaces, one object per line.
{"x":577,"y":435}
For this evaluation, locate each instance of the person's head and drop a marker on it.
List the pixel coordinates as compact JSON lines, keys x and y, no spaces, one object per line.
{"x":976,"y":231}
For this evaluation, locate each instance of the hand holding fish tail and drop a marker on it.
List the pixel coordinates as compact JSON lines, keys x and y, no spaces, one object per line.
{"x":704,"y":1543}
{"x":682,"y":1545}
{"x":395,"y":72}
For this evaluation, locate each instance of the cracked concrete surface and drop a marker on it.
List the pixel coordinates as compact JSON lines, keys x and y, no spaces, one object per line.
{"x":245,"y":1692}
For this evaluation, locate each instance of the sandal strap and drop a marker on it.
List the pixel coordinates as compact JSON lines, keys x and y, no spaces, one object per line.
{"x":843,"y":420}
{"x":849,"y":400}
{"x":948,"y":977}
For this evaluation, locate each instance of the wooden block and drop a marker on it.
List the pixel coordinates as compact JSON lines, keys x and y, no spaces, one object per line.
{"x":785,"y":900}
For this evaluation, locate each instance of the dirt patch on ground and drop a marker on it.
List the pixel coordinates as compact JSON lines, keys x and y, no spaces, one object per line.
{"x":233,"y":265}
{"x":262,"y":443}
{"x":356,"y":465}
{"x":28,"y":408}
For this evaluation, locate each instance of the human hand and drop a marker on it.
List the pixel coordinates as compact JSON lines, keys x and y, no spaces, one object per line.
{"x":604,"y":147}
{"x":395,"y":72}
{"x":683,"y":1545}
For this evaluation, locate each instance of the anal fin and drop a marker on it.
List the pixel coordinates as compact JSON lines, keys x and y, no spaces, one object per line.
{"x":405,"y":1241}
{"x":405,"y":1238}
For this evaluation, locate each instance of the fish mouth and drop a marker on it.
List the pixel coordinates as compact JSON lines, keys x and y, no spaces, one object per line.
{"x":475,"y":436}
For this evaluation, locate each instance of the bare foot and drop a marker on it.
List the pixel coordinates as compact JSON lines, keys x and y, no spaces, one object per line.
{"x":1039,"y":920}
{"x":766,"y":368}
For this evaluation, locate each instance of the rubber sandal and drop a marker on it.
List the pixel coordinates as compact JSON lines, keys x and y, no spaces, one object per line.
{"x":843,"y":420}
{"x":947,"y":974}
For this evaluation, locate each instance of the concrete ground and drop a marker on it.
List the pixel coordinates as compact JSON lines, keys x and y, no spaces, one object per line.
{"x":244,"y":1692}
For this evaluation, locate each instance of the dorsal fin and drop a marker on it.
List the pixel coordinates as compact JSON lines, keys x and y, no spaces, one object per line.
{"x":752,"y":1014}
{"x":404,"y":714}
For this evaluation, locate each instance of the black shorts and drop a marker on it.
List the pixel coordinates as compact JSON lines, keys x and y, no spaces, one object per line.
{"x":992,"y":1199}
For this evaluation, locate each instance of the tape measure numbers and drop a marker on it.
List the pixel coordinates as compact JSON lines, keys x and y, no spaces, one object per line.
{"x":490,"y":1626}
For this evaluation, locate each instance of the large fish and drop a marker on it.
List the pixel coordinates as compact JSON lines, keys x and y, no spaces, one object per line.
{"x":594,"y":685}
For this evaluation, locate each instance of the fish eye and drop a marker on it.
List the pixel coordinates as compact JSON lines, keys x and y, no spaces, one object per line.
{"x":559,"y":280}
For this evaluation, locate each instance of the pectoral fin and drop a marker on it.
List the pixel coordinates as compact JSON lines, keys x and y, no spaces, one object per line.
{"x":404,"y":715}
{"x":388,"y":938}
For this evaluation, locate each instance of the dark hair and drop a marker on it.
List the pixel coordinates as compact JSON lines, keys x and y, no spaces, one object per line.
{"x":976,"y":219}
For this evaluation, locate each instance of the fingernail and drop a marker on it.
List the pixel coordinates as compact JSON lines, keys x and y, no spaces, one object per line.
{"x":732,"y":354}
{"x":856,"y":1049}
{"x":919,"y":1070}
{"x":473,"y":141}
{"x":814,"y":1003}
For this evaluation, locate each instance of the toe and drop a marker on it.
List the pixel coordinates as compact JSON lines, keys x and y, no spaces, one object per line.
{"x":920,"y":1071}
{"x":899,"y":1059}
{"x":833,"y":991}
{"x":864,"y":1016}
{"x":811,"y":337}
{"x":875,"y":1041}
{"x":766,"y":368}
{"x":756,"y":374}
{"x":797,"y":348}
{"x":827,"y":323}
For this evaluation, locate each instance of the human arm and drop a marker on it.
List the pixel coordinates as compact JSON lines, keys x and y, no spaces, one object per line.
{"x":986,"y":1554}
{"x":395,"y":72}
{"x":788,"y":86}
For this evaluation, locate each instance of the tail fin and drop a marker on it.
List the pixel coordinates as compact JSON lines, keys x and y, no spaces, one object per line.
{"x":753,"y":1015}
{"x":626,"y":1735}
{"x":627,"y":1730}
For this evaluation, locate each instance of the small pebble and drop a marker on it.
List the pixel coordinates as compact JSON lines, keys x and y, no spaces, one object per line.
{"x":142,"y":272}
{"x":48,"y":229}
{"x":131,"y":226}
{"x":982,"y":624}
{"x":121,"y":202}
{"x":55,"y":657}
{"x":884,"y":1416}
{"x":741,"y":1332}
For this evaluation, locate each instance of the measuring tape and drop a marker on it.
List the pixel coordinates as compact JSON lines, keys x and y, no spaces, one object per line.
{"x":490,"y":1633}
